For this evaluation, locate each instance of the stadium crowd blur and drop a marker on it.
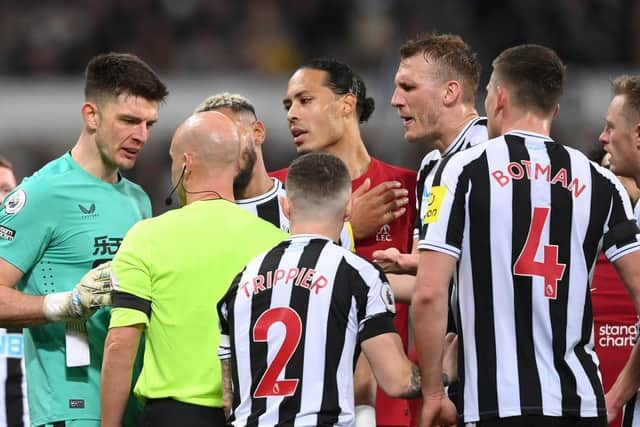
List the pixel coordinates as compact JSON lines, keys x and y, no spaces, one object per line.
{"x":260,"y":41}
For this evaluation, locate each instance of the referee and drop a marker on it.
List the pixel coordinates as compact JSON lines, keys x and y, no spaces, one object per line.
{"x":295,"y":318}
{"x":519,"y":222}
{"x":169,"y":273}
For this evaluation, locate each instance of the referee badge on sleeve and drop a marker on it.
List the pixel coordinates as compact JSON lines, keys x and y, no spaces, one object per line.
{"x":434,"y":203}
{"x":386,"y":293}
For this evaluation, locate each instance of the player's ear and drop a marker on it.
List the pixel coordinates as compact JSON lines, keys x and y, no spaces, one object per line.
{"x":348,"y":209}
{"x":452,"y":92}
{"x":556,"y":111}
{"x":89,"y":112}
{"x":501,"y":98}
{"x":286,"y":207}
{"x":259,"y":132}
{"x":349,"y":104}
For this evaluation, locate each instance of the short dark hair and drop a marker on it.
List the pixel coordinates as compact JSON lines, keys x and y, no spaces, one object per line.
{"x":111,"y":74}
{"x":341,"y":79}
{"x":5,"y":163}
{"x":629,"y":86}
{"x":317,"y":182}
{"x":452,"y":54}
{"x":534,"y":73}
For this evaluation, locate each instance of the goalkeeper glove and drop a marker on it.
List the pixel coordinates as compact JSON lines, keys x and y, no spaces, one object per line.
{"x":93,"y":291}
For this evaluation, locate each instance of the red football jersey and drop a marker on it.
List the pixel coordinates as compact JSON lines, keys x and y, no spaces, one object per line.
{"x":614,"y":322}
{"x":398,"y":234}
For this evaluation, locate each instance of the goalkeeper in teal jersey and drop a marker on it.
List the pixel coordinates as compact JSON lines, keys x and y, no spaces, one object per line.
{"x":63,"y":221}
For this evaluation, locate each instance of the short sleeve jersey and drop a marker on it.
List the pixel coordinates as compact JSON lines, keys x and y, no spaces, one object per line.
{"x":170,"y":273}
{"x":397,"y":234}
{"x":311,"y":302}
{"x":54,"y":227}
{"x":526,"y":217}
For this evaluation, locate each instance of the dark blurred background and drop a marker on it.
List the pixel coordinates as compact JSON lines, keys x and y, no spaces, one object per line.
{"x":201,"y":47}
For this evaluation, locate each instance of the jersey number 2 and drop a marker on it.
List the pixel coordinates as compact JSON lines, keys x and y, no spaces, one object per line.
{"x":269,"y":384}
{"x":548,"y":268}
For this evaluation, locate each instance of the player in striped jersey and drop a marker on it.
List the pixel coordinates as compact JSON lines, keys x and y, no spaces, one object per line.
{"x":253,"y":188}
{"x":519,"y":222}
{"x":325,"y":102}
{"x":295,"y":318}
{"x":621,"y":138}
{"x":436,"y":84}
{"x":13,"y":384}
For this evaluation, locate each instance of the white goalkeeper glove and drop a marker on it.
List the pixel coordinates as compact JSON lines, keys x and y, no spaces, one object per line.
{"x":93,"y":291}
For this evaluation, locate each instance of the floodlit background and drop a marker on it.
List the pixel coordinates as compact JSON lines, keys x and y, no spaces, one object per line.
{"x":201,"y":47}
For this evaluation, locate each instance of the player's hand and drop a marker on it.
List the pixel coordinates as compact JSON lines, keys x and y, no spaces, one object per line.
{"x":450,"y":357}
{"x":438,"y":411}
{"x":375,"y":207}
{"x":93,"y":291}
{"x":613,"y":409}
{"x":391,"y":260}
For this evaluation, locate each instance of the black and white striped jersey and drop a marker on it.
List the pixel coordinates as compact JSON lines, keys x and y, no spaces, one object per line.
{"x":526,"y":218}
{"x":292,"y":323}
{"x":267,"y":206}
{"x":13,"y":385}
{"x":472,"y":134}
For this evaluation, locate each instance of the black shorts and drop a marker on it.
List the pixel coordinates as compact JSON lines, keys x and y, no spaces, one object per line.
{"x":170,"y":413}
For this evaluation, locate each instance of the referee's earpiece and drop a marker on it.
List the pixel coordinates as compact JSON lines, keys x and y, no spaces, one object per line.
{"x":168,"y":201}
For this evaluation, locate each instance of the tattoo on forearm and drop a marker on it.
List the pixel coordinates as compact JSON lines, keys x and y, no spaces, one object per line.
{"x":227,"y":386}
{"x":414,"y":388}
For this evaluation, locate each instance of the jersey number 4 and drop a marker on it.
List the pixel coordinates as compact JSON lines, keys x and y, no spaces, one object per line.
{"x":548,"y":268}
{"x":269,"y":384}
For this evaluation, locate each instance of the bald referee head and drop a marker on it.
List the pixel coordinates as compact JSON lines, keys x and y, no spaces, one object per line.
{"x":204,"y":155}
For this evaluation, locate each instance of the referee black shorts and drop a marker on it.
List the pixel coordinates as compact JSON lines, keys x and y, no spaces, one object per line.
{"x":540,"y":421}
{"x":171,"y":413}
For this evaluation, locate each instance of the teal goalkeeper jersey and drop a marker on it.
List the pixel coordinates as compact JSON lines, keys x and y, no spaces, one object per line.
{"x":54,"y":227}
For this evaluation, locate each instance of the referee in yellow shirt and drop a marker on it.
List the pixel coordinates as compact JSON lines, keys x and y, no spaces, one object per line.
{"x":168,"y":276}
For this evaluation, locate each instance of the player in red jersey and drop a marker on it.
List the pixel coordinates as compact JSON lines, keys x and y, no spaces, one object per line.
{"x":325,"y":103}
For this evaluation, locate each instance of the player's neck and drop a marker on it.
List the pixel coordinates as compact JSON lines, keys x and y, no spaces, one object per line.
{"x":259,"y":184}
{"x":325,"y":229}
{"x":528,"y":122}
{"x":215,"y":185}
{"x":352,"y":151}
{"x":85,"y":154}
{"x":457,"y":123}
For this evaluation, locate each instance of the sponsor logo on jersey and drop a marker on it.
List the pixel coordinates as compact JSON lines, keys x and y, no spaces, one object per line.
{"x":6,"y":233}
{"x":88,"y":211}
{"x":15,"y":202}
{"x":433,"y":201}
{"x":616,"y":335}
{"x":384,"y":234}
{"x":105,"y":245}
{"x":76,"y":403}
{"x":91,"y":209}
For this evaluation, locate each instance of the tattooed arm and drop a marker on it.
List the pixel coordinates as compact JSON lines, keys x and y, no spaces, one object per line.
{"x":227,"y":387}
{"x":395,"y":374}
